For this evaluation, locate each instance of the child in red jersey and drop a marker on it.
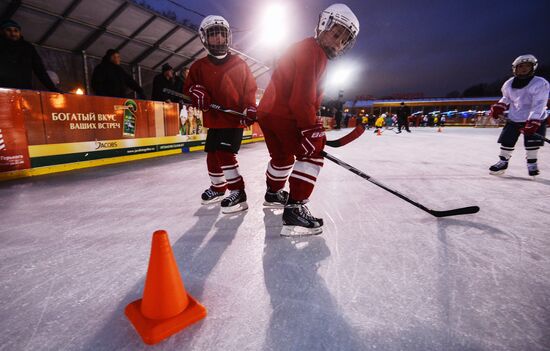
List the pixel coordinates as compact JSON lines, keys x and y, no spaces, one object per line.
{"x":224,"y":79}
{"x":287,"y":116}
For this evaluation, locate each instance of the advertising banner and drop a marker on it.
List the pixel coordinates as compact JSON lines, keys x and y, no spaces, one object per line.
{"x":14,"y":153}
{"x":39,"y":129}
{"x":73,"y":118}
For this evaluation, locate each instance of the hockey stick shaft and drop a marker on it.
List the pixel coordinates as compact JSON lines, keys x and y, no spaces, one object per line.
{"x":543,"y":138}
{"x":354,"y":134}
{"x":212,"y":106}
{"x":453,"y":212}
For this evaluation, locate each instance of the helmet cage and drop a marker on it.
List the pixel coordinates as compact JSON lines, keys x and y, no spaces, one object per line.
{"x":338,"y":14}
{"x":213,"y":26}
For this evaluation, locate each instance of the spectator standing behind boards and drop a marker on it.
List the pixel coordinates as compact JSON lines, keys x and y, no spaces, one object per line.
{"x":164,"y":80}
{"x":338,"y":118}
{"x":179,"y":79}
{"x":19,"y":59}
{"x":110,"y":79}
{"x":403,"y":117}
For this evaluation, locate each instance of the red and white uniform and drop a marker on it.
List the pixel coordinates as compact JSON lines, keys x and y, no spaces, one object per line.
{"x":230,"y":84}
{"x":290,"y":104}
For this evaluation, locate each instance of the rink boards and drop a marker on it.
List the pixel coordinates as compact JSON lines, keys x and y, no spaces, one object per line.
{"x":43,"y":132}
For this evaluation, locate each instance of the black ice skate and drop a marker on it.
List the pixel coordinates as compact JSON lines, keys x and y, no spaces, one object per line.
{"x":298,"y":221}
{"x":499,"y":167}
{"x":533,"y":169}
{"x":275,"y":199}
{"x":210,"y":196}
{"x":235,"y":202}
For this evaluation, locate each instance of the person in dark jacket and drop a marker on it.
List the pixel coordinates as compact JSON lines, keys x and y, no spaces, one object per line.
{"x":19,"y":59}
{"x":403,"y":118}
{"x":164,"y":80}
{"x":179,"y":79}
{"x":110,"y":79}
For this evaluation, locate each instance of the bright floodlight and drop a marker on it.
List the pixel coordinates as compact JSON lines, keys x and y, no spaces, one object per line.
{"x":339,"y":77}
{"x":274,"y":24}
{"x":342,"y":75}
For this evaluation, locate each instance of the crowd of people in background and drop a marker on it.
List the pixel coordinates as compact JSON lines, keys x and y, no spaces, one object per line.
{"x":19,"y":60}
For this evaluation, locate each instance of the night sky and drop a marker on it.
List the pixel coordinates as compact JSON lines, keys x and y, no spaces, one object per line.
{"x":426,"y":46}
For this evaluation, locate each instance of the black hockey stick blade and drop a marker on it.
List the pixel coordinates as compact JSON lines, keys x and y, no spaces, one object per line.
{"x":542,"y":137}
{"x":348,"y":138}
{"x":455,"y":212}
{"x":447,"y":213}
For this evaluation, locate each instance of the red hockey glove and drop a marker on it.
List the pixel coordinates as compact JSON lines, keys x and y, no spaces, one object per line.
{"x":199,"y":97}
{"x":250,"y":117}
{"x":312,"y":141}
{"x":531,"y":127}
{"x":497,"y":110}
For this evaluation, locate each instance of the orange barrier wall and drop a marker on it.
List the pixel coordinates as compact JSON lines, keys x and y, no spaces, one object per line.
{"x":39,"y":129}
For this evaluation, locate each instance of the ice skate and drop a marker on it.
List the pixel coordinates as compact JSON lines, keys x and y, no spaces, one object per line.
{"x":235,"y":202}
{"x":499,"y":167}
{"x":533,"y":169}
{"x":298,"y":221}
{"x":276,"y":199}
{"x":210,"y":196}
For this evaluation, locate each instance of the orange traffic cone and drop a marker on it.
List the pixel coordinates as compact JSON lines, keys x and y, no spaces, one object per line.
{"x":378,"y":132}
{"x":166,"y":308}
{"x":439,"y":130}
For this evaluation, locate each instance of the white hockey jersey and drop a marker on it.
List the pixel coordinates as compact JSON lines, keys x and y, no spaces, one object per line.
{"x":528,"y":102}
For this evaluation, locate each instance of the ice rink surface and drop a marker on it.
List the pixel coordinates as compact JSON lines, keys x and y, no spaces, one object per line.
{"x":384,"y":275}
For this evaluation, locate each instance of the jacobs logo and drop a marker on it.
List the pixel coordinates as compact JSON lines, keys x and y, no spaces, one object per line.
{"x":105,"y":145}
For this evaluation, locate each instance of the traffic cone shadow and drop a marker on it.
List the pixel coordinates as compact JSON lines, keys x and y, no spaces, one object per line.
{"x":165,"y":308}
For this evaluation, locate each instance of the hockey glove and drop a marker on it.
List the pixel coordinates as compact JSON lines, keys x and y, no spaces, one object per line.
{"x":531,"y":127}
{"x":199,"y":97}
{"x":250,"y":116}
{"x":497,"y":110}
{"x":312,"y":141}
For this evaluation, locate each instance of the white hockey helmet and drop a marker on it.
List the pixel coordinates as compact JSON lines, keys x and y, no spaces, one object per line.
{"x":339,"y":14}
{"x":525,"y":59}
{"x":212,"y":25}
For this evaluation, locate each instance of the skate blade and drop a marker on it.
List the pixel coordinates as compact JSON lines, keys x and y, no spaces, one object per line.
{"x":243,"y":206}
{"x":212,"y":201}
{"x":297,"y":231}
{"x":273,"y":204}
{"x":496,"y":172}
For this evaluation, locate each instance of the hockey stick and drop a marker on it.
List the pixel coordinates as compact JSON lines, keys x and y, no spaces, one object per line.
{"x":447,"y":213}
{"x":348,"y":138}
{"x":543,"y":138}
{"x":212,"y":106}
{"x":351,"y":136}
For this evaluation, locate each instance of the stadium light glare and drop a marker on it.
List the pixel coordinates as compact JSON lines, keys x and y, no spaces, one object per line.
{"x":342,"y":75}
{"x":274,"y":25}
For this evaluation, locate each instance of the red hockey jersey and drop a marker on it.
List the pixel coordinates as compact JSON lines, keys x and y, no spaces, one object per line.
{"x":294,"y":91}
{"x":229,"y":83}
